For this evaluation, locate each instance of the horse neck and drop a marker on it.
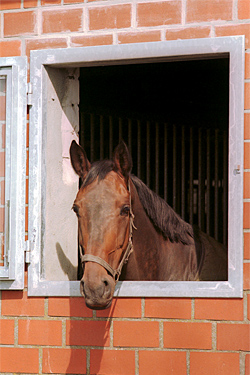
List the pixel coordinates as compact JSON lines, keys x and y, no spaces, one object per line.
{"x":147,"y":243}
{"x":154,"y":257}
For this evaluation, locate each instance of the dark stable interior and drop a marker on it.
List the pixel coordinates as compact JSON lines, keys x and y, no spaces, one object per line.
{"x":182,"y":108}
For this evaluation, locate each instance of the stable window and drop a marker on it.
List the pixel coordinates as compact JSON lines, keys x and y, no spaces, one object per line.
{"x":13,"y":84}
{"x":179,"y":107}
{"x":176,"y":127}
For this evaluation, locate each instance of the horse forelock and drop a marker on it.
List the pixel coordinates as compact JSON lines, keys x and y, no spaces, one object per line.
{"x":164,"y":218}
{"x":99,"y":170}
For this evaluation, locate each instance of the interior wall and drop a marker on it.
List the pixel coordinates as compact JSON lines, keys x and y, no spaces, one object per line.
{"x":61,"y":126}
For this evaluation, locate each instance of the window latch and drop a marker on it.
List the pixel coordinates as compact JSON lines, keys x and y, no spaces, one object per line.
{"x":27,"y":249}
{"x":29,"y":94}
{"x":237,"y":170}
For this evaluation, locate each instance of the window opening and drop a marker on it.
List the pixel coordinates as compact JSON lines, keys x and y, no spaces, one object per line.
{"x":174,"y":118}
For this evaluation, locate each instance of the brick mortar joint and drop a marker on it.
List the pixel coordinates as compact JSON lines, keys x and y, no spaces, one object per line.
{"x":40,"y":359}
{"x":123,"y":348}
{"x":245,"y":306}
{"x":32,"y":318}
{"x":214,"y":336}
{"x":64,"y":333}
{"x":188,"y":362}
{"x":136,"y":362}
{"x":16,"y":333}
{"x":161,"y":335}
{"x":184,"y":12}
{"x":242,"y":363}
{"x":120,"y":319}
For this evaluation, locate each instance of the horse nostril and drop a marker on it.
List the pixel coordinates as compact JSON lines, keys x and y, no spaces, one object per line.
{"x":107,"y":288}
{"x":82,"y":288}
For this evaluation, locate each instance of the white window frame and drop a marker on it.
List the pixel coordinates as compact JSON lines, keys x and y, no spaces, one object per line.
{"x":117,"y":54}
{"x":12,"y":273}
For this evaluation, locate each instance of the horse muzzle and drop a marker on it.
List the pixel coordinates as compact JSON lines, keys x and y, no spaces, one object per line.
{"x":97,"y":291}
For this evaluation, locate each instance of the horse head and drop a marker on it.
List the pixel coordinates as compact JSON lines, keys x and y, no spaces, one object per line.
{"x":105,"y":219}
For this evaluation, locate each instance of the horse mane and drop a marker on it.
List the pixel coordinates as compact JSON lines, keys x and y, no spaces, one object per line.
{"x":163,"y":217}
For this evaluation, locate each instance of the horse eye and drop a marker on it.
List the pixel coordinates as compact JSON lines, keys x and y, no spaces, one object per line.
{"x":125,"y":211}
{"x":76,"y":209}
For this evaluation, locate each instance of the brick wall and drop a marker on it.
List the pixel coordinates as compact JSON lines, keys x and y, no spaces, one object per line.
{"x":135,"y":336}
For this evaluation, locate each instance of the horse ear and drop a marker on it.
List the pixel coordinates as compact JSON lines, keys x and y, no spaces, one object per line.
{"x":123,"y":160}
{"x":79,"y":160}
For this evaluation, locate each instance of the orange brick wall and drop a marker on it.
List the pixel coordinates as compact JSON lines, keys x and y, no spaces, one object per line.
{"x":135,"y":336}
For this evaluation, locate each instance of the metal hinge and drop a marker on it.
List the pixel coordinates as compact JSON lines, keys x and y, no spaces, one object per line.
{"x":237,"y":170}
{"x":7,"y":232}
{"x":7,"y":257}
{"x":27,"y":251}
{"x":29,"y":94}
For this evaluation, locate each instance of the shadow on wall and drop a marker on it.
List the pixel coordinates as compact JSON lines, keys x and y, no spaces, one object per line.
{"x":90,"y":331}
{"x":68,"y":268}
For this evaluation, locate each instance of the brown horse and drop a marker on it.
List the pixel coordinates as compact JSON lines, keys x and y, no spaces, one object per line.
{"x":127,"y":231}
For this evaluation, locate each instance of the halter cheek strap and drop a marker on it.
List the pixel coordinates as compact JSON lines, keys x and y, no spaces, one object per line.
{"x":95,"y":259}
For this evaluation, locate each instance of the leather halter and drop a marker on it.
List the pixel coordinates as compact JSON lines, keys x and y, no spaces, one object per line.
{"x":95,"y":259}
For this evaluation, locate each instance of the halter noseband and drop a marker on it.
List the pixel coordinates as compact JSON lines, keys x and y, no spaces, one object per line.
{"x":95,"y":259}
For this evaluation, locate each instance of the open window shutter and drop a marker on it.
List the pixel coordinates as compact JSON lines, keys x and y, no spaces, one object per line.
{"x":13,"y":105}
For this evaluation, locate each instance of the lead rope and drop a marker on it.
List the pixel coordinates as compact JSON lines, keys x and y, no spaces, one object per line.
{"x":116,"y":273}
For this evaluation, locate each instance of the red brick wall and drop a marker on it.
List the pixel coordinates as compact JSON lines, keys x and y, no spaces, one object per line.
{"x":135,"y":336}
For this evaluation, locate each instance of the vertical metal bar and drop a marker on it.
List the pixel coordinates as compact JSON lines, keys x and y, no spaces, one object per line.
{"x":225,"y":187}
{"x":201,"y":190}
{"x":82,"y":128}
{"x":165,"y":162}
{"x":148,"y":155}
{"x":174,"y":167}
{"x":157,"y":158}
{"x":139,"y":148}
{"x":130,"y":135}
{"x":101,"y":138}
{"x":183,"y":173}
{"x":120,"y":129}
{"x":216,"y":181}
{"x":191,"y":176}
{"x":199,"y":178}
{"x":208,"y":187}
{"x":7,"y":233}
{"x":92,"y":138}
{"x":110,"y":137}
